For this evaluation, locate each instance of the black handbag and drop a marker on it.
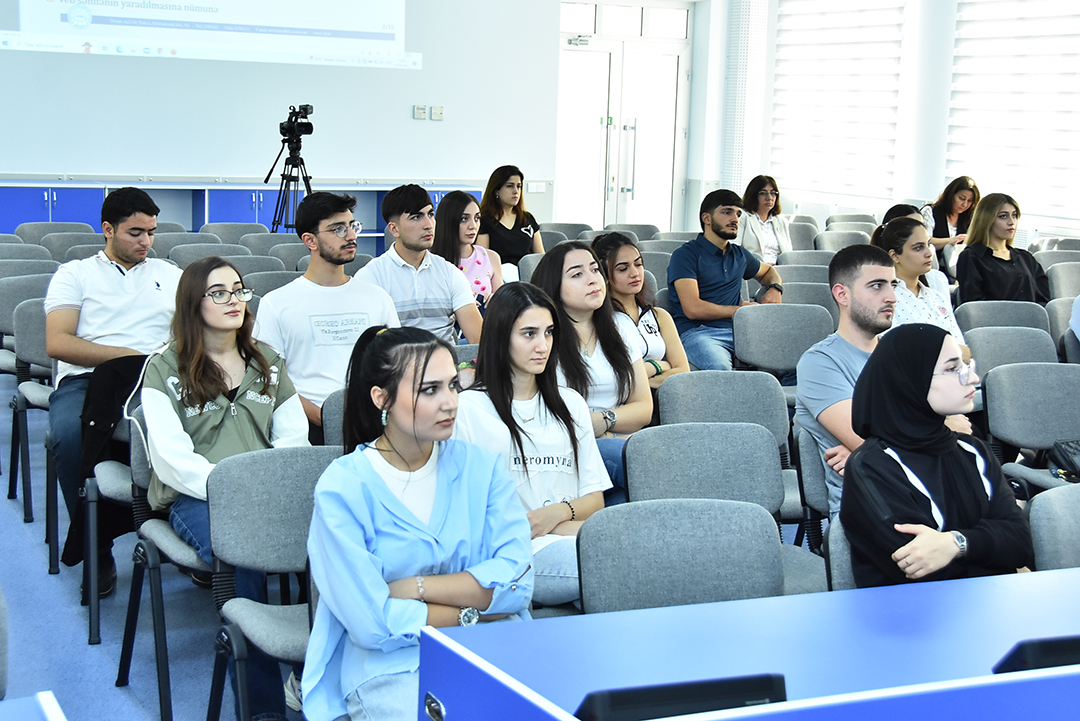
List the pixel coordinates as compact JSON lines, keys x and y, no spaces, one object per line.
{"x":1064,"y":460}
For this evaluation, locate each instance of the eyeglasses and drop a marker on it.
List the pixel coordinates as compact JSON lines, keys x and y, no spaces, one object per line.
{"x":966,"y":373}
{"x":221,"y":297}
{"x":342,"y":230}
{"x":773,"y":193}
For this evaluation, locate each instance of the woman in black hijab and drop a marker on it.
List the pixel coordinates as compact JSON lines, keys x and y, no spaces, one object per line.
{"x":920,"y":501}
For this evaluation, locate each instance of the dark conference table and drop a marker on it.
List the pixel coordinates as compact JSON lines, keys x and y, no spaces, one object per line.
{"x":825,"y":644}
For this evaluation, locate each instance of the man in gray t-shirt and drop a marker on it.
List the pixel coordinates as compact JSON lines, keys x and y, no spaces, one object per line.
{"x":863,"y":284}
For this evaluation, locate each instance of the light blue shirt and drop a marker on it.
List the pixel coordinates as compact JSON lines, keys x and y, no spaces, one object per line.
{"x":362,"y":537}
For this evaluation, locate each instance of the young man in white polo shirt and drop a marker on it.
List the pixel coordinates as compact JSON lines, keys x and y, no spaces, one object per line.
{"x":314,"y":321}
{"x":428,"y":291}
{"x":116,"y":303}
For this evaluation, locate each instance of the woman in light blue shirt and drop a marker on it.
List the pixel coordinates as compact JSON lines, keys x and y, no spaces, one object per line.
{"x":410,"y":529}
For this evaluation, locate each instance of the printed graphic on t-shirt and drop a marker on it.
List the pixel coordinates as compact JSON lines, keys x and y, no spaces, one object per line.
{"x":544,"y":462}
{"x":338,"y":328}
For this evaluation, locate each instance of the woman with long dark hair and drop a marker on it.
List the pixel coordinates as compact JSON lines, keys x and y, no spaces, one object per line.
{"x":505,"y":226}
{"x":624,"y":269}
{"x":949,"y":217}
{"x":457,"y":224}
{"x":410,"y":529}
{"x":601,"y":358}
{"x":763,"y":231}
{"x":990,"y":268}
{"x":212,"y":393}
{"x":541,"y":431}
{"x":921,"y":502}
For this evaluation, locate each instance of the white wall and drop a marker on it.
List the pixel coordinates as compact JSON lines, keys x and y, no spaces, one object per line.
{"x":492,"y":64}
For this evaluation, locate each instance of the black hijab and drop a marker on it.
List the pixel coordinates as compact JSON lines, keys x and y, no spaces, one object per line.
{"x":890,"y":396}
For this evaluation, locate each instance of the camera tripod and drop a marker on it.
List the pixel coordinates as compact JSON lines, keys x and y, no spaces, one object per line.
{"x":289,"y":190}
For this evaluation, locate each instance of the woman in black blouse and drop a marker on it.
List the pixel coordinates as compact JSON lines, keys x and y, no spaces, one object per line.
{"x":920,"y":502}
{"x":990,"y":268}
{"x":505,"y":226}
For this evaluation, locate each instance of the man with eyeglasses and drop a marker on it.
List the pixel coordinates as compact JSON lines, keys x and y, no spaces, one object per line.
{"x":314,"y":321}
{"x":429,"y":292}
{"x":115,"y":304}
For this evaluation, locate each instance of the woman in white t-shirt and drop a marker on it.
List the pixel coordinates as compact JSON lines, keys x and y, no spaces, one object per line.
{"x":601,"y":360}
{"x":907,"y":242}
{"x":541,"y":431}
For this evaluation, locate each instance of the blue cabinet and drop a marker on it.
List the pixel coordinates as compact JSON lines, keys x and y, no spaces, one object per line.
{"x":243,"y":206}
{"x":36,"y":205}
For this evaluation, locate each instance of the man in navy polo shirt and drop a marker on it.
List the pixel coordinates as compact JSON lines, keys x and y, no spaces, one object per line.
{"x":705,"y":277}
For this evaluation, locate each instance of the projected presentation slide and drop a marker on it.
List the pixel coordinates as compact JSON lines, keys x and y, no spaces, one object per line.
{"x":320,"y":32}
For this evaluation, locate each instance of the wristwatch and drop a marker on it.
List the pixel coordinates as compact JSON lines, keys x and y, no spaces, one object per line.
{"x":468,"y":616}
{"x":961,"y":541}
{"x":609,"y":419}
{"x":777,"y":287}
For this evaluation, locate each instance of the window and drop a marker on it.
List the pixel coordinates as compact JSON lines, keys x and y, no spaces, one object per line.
{"x":1014,"y":119}
{"x":835,"y":90}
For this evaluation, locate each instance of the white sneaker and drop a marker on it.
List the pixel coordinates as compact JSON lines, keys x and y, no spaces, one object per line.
{"x":293,"y":697}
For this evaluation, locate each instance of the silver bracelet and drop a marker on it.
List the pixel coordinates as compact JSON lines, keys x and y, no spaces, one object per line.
{"x":420,"y":588}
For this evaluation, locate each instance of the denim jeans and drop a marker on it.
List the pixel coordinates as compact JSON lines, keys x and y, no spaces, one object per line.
{"x":708,"y":348}
{"x":611,"y":452}
{"x":555,"y":573}
{"x":190,"y":518}
{"x":389,"y":697}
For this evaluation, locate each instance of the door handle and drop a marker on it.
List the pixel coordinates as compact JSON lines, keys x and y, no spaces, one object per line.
{"x":633,"y":160}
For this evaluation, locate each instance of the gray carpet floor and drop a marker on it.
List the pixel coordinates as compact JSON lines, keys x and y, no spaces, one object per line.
{"x":48,"y":628}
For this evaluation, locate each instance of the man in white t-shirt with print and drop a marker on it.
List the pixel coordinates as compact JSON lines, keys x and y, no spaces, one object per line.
{"x":314,"y":321}
{"x":113,"y":304}
{"x":428,"y":291}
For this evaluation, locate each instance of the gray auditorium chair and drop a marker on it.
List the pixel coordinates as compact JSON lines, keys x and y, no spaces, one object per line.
{"x":164,"y":226}
{"x":24,"y":251}
{"x":804,"y":274}
{"x":996,"y":346}
{"x":26,"y":266}
{"x":58,"y":244}
{"x":256,"y":263}
{"x":34,"y":232}
{"x":867,"y":228}
{"x":819,"y":294}
{"x":657,"y":264}
{"x":165,"y":242}
{"x":261,"y":243}
{"x":815,"y":490}
{"x":642,"y":231}
{"x":1071,"y":346}
{"x":590,"y":235}
{"x":1054,"y":516}
{"x":663,"y":300}
{"x":1048,"y":258}
{"x":1029,"y":405}
{"x":290,"y":253}
{"x":660,"y":245}
{"x":850,"y":218}
{"x":802,"y":236}
{"x":712,"y":551}
{"x":570,"y":230}
{"x":983,"y":313}
{"x":333,"y":413}
{"x":803,"y":218}
{"x":773,"y":336}
{"x":266,"y":281}
{"x":551,"y":238}
{"x":241,"y":537}
{"x":1065,"y":244}
{"x":683,"y":235}
{"x":805,"y":257}
{"x":1064,"y":279}
{"x":1059,"y":312}
{"x":834,"y":240}
{"x":727,"y":461}
{"x":527,"y":265}
{"x":467,"y":352}
{"x":185,"y":255}
{"x":78,"y":252}
{"x":233,"y":232}
{"x":10,"y":238}
{"x":838,"y":558}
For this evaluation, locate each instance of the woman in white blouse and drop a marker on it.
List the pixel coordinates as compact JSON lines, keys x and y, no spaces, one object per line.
{"x":763,"y":231}
{"x":907,"y":242}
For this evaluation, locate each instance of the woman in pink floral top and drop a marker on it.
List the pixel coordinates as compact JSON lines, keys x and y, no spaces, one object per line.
{"x":457,"y":222}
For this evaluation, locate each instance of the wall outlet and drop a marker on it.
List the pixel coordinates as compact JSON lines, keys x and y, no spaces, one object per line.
{"x":419,"y":112}
{"x":540,"y":187}
{"x":436,"y":112}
